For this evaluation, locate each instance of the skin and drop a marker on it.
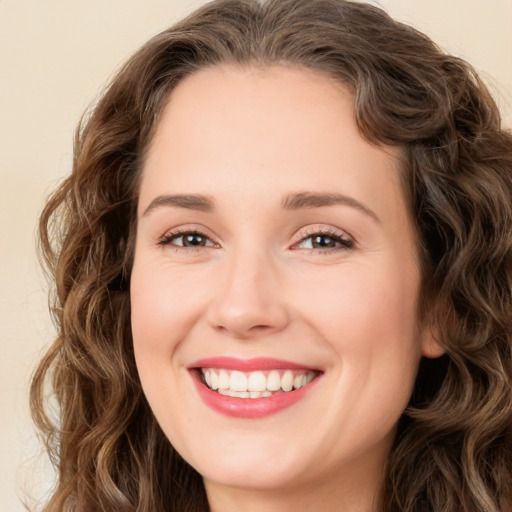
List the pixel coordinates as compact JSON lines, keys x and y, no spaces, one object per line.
{"x":247,"y":138}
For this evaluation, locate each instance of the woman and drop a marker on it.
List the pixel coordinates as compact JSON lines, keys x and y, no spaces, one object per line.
{"x":283,"y":269}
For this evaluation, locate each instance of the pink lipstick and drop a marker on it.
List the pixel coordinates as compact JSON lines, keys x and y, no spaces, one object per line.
{"x":251,"y":388}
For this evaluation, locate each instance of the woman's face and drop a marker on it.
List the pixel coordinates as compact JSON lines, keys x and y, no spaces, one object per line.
{"x":274,"y":250}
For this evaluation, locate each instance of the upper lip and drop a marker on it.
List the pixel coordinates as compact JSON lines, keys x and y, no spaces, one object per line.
{"x":248,"y":365}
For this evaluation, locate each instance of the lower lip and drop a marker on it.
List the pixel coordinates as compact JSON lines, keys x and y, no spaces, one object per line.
{"x":249,"y":408}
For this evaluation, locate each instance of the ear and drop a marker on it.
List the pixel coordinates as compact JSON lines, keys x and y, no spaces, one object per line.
{"x":430,"y":346}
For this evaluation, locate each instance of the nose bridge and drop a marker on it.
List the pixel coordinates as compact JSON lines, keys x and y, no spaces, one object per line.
{"x":248,"y":299}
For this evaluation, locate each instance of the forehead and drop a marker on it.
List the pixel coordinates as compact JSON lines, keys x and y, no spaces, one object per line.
{"x":253,"y":130}
{"x":251,"y":107}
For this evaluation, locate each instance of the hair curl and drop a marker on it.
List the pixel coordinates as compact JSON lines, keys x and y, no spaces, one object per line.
{"x":453,"y":450}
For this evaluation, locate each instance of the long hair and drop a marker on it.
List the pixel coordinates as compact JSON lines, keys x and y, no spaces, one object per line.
{"x":453,"y":449}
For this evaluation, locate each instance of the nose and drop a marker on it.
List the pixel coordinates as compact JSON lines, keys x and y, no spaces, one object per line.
{"x":250,"y":301}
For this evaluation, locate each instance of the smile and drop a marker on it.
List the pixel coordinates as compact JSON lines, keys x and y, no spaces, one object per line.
{"x":257,"y":384}
{"x":252,"y":388}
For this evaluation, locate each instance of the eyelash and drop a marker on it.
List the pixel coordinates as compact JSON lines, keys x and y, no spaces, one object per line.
{"x":168,"y":238}
{"x":344,"y":242}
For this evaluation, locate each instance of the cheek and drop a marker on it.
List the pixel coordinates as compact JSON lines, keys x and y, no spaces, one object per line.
{"x":164,"y":305}
{"x":361,"y":299}
{"x":162,"y":315}
{"x":368,"y":317}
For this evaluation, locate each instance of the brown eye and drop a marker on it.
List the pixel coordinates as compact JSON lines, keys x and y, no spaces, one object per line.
{"x":325,"y":241}
{"x":188,"y":240}
{"x":192,"y":240}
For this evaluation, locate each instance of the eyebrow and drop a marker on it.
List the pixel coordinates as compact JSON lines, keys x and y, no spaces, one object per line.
{"x":316,"y":200}
{"x":298,"y":201}
{"x":188,"y":201}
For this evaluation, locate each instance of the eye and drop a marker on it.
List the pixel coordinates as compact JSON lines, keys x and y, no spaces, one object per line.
{"x":325,"y":241}
{"x":186,"y":239}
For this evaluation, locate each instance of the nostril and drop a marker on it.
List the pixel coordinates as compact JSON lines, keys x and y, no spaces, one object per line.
{"x":260,"y":327}
{"x":244,"y":332}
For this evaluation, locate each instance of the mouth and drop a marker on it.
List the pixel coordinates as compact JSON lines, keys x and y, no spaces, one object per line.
{"x":256,"y":384}
{"x":252,"y":388}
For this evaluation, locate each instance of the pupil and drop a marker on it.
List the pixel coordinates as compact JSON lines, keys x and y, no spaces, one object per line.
{"x":193,"y":240}
{"x":323,"y":241}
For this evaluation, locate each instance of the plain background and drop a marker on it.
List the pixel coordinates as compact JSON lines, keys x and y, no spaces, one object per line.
{"x":55,"y":56}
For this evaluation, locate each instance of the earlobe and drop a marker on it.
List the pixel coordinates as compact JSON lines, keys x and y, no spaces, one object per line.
{"x":441,"y":314}
{"x":430,"y":346}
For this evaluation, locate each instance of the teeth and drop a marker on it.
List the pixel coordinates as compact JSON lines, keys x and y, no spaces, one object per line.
{"x":237,"y":394}
{"x":257,"y":381}
{"x":223,"y":380}
{"x":237,"y":381}
{"x":273,"y":381}
{"x":287,"y":381}
{"x":258,"y":384}
{"x":298,"y":381}
{"x":214,"y":378}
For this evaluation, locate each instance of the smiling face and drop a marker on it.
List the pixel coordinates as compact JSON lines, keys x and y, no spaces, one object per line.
{"x":274,"y":251}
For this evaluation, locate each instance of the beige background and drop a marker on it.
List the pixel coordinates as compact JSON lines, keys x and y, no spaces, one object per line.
{"x":54,"y":57}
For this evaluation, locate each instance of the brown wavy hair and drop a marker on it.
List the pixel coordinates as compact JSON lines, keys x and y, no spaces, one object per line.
{"x":453,"y":449}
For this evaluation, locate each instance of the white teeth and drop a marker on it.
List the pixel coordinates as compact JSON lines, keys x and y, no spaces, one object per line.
{"x":273,"y":381}
{"x":237,"y":381}
{"x":214,"y":380}
{"x":223,"y":380}
{"x":256,"y":384}
{"x":287,"y":381}
{"x":236,"y":394}
{"x":298,"y":381}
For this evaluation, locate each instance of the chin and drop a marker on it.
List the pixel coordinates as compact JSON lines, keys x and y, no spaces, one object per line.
{"x":263,"y":464}
{"x":257,"y":473}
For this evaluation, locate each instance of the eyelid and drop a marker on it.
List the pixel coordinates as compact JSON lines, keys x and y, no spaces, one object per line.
{"x":342,"y":236}
{"x":166,"y":239}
